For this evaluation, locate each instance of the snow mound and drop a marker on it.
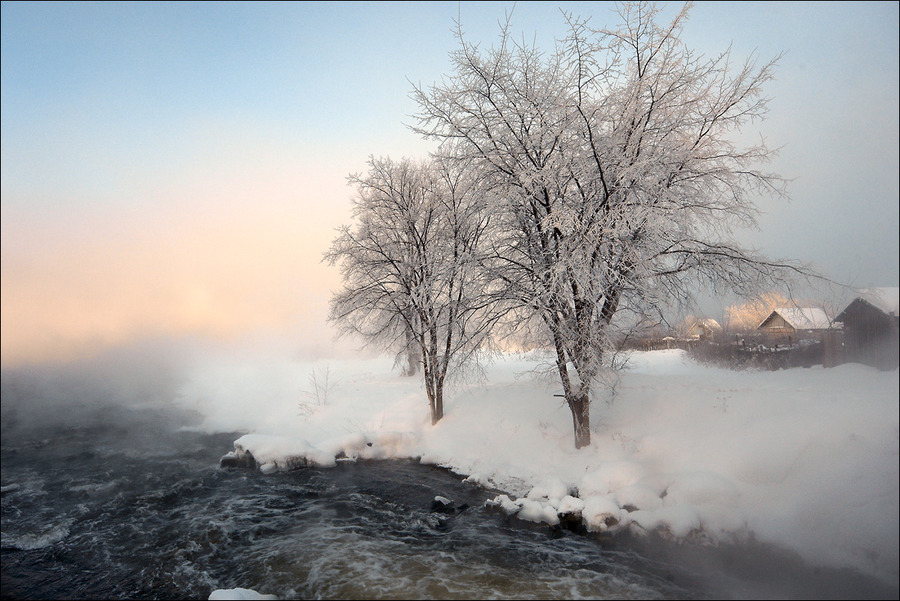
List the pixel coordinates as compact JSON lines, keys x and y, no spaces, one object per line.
{"x":237,"y":594}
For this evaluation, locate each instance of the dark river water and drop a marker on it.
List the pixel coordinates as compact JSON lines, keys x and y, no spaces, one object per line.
{"x":118,"y":503}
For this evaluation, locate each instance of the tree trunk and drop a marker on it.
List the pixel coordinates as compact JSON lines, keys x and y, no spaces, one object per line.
{"x":435,"y":391}
{"x":412,"y":354}
{"x":579,"y":402}
{"x":581,"y":419}
{"x":437,"y":411}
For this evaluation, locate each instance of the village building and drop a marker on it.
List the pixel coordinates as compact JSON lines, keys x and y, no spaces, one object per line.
{"x":792,"y":324}
{"x":704,"y":329}
{"x":870,"y":328}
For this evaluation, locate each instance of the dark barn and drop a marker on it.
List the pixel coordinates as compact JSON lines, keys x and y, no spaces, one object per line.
{"x":870,"y":328}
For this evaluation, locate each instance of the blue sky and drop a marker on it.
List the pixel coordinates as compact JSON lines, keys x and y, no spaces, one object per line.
{"x":181,"y":167}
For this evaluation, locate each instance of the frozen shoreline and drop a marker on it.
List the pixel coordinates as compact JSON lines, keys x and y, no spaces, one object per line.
{"x":805,"y":459}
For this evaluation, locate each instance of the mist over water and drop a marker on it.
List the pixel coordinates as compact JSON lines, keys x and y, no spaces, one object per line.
{"x":113,"y":501}
{"x":108,"y":491}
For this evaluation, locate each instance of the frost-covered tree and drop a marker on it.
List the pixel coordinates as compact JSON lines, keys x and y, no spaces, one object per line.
{"x":412,"y":266}
{"x":617,"y":175}
{"x":746,"y":316}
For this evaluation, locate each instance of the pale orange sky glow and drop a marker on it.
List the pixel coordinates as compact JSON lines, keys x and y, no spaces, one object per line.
{"x":230,"y":246}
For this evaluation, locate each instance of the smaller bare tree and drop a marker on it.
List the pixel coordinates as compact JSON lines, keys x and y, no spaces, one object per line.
{"x":321,"y":384}
{"x":412,"y":268}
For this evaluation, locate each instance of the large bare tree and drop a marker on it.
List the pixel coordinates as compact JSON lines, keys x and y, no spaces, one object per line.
{"x":412,"y":266}
{"x":617,"y":174}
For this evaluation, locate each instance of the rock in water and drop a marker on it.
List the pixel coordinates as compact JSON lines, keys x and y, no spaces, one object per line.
{"x":238,"y":459}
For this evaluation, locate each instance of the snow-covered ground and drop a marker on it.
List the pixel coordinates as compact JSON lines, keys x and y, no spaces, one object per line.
{"x":803,"y":458}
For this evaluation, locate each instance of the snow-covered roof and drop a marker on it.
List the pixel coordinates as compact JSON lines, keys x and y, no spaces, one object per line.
{"x":706,"y":326}
{"x":885,"y":299}
{"x":708,"y":323}
{"x":801,"y":318}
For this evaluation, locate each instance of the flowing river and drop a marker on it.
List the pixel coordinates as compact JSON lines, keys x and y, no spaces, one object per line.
{"x":119,"y":503}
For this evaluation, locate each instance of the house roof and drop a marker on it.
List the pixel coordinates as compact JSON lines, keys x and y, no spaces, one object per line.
{"x":709,"y":323}
{"x":885,"y":299}
{"x":801,"y":318}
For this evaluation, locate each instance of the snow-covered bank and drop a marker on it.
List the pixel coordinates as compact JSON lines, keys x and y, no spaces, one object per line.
{"x":803,"y":458}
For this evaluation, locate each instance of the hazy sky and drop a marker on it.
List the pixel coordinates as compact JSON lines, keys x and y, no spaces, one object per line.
{"x":179,"y":168}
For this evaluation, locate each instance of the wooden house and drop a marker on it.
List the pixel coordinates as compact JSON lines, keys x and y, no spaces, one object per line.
{"x":795,"y":323}
{"x":704,"y":329}
{"x":870,"y":328}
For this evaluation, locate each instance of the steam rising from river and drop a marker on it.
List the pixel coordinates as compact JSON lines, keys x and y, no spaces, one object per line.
{"x":671,"y":418}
